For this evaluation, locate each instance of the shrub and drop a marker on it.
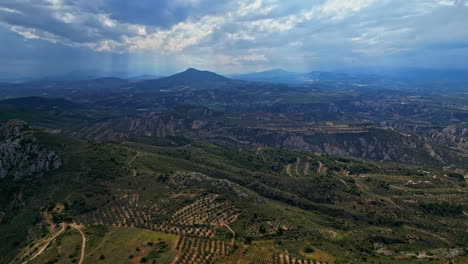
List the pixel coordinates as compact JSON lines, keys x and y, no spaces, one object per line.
{"x":442,"y":209}
{"x":308,"y":249}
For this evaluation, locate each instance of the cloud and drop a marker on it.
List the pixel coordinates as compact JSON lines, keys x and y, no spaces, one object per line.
{"x":225,"y":59}
{"x":446,"y":2}
{"x":236,"y":33}
{"x":9,"y":10}
{"x":338,"y":9}
{"x":76,"y":24}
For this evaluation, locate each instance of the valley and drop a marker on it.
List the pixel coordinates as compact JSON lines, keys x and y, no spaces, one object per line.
{"x":374,"y":123}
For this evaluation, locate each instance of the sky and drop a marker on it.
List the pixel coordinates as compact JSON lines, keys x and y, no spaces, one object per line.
{"x":47,"y":37}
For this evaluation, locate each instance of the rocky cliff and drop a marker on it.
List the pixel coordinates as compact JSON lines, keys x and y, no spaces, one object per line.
{"x":20,"y":153}
{"x":375,"y":144}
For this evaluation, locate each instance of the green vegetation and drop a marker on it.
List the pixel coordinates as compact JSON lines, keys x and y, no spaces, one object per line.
{"x":146,"y":204}
{"x":443,"y":208}
{"x":121,"y":243}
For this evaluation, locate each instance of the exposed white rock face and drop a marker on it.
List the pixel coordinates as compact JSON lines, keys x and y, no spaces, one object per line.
{"x":20,"y":155}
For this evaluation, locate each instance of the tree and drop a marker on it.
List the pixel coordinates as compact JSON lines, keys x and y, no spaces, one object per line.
{"x":163,"y":177}
{"x":262,"y":229}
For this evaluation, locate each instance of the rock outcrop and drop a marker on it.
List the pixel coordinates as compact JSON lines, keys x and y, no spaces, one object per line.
{"x":21,"y":155}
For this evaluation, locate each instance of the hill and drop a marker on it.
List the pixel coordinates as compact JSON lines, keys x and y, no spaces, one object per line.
{"x":205,"y":203}
{"x":426,"y":146}
{"x":40,"y":102}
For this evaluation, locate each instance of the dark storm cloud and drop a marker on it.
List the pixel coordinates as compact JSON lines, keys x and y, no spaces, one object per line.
{"x":22,"y":58}
{"x":163,"y":13}
{"x":61,"y":21}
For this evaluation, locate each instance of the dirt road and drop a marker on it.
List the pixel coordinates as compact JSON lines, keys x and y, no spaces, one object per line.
{"x":134,"y":172}
{"x":83,"y":243}
{"x":47,"y":242}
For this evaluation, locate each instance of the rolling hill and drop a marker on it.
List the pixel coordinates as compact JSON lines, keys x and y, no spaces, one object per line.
{"x":204,"y":203}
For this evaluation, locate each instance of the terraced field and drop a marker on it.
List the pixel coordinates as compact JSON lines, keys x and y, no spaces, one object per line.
{"x":418,"y":189}
{"x":303,"y":167}
{"x":201,"y":251}
{"x":199,"y":219}
{"x":193,"y":226}
{"x":287,"y":259}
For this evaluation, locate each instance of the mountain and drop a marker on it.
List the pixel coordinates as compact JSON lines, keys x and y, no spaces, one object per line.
{"x":192,"y":74}
{"x":82,"y":75}
{"x":283,"y":76}
{"x":74,"y":76}
{"x":144,"y":77}
{"x":450,"y":76}
{"x":189,"y":79}
{"x":273,"y":76}
{"x":399,"y":78}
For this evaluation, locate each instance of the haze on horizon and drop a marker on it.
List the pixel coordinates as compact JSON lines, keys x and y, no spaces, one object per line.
{"x":46,"y":37}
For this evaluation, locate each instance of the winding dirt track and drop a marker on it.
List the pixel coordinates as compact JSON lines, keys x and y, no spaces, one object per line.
{"x":306,"y":168}
{"x":130,"y":162}
{"x":50,"y":239}
{"x":83,"y":243}
{"x":321,"y":168}
{"x":288,"y":170}
{"x":298,"y":162}
{"x":232,"y":232}
{"x":47,"y":242}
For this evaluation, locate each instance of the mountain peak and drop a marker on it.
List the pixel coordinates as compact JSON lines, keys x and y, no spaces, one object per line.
{"x":192,"y":70}
{"x":197,"y":71}
{"x":195,"y":74}
{"x":192,"y":78}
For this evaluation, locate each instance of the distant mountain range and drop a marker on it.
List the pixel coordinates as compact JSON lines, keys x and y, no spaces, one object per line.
{"x":275,"y":75}
{"x":79,"y":76}
{"x":366,"y":77}
{"x":197,"y":79}
{"x":144,"y":77}
{"x":283,"y":76}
